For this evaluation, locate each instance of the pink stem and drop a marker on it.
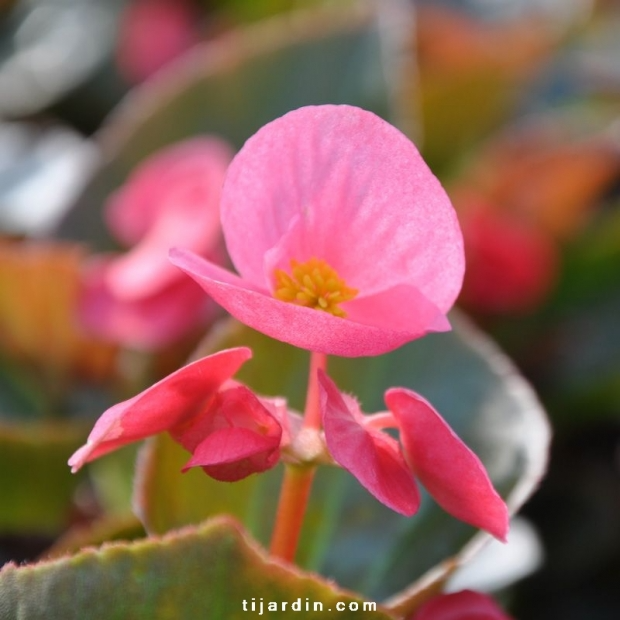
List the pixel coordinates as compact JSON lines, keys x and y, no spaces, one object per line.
{"x":291,"y":511}
{"x":297,"y":480}
{"x":312,"y":413}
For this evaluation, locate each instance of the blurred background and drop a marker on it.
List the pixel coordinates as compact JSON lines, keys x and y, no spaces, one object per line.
{"x":515,"y":105}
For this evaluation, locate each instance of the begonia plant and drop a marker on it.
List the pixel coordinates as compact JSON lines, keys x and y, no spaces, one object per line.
{"x":346,"y":244}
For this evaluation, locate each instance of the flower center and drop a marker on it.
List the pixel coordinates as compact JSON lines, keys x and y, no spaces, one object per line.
{"x":314,"y":284}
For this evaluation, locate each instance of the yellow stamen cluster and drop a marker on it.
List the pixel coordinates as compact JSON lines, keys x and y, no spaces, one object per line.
{"x":314,"y":284}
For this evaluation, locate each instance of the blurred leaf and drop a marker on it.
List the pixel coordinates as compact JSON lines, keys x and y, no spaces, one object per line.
{"x":48,"y":48}
{"x":349,"y":536}
{"x":550,"y":171}
{"x":595,"y":251}
{"x":197,"y":573}
{"x":165,"y":499}
{"x":42,"y":168}
{"x":571,"y":346}
{"x":39,"y":284}
{"x":459,"y":62}
{"x":37,"y":488}
{"x":234,"y":85}
{"x":20,"y":393}
{"x":500,"y":565}
{"x":112,"y":480}
{"x":243,"y":11}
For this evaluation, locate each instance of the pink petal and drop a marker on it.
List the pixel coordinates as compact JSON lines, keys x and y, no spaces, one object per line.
{"x":340,"y":184}
{"x":303,"y":327}
{"x":464,"y":605}
{"x":172,"y":402}
{"x":235,"y":436}
{"x":401,"y":308}
{"x":146,"y":323}
{"x":173,"y":197}
{"x":449,"y":470}
{"x":231,"y":407}
{"x":235,"y":453}
{"x":373,"y":457}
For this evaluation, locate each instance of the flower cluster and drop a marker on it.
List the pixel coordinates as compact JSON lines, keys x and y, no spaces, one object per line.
{"x":232,"y":433}
{"x":345,"y":244}
{"x":430,"y":452}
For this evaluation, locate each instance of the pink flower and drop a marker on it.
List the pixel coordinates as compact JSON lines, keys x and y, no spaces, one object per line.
{"x":464,"y":605}
{"x":152,"y":33}
{"x":431,"y":452}
{"x":139,"y":299}
{"x":344,"y":240}
{"x":230,"y":432}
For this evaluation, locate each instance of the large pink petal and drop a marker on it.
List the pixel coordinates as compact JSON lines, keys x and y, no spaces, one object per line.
{"x":303,"y":327}
{"x":449,"y":470}
{"x":340,"y":184}
{"x":147,"y":323}
{"x":464,"y":605}
{"x":169,"y":404}
{"x":373,"y":457}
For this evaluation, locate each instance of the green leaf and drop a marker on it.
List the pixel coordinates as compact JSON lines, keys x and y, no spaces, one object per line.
{"x":37,"y":487}
{"x":348,"y":535}
{"x":21,"y":396}
{"x":234,"y":85}
{"x":197,"y":573}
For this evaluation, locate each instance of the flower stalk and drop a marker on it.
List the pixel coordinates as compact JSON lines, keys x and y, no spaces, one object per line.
{"x":297,"y":481}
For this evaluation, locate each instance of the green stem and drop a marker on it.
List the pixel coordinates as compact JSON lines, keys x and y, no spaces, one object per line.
{"x":297,"y":481}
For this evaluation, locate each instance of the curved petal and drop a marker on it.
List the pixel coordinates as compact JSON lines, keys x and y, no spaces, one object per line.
{"x":234,"y":453}
{"x":232,"y":407}
{"x":464,"y":605}
{"x":145,"y":323}
{"x":373,"y":457}
{"x":449,"y":470}
{"x":170,"y":403}
{"x":400,"y":307}
{"x":303,"y":327}
{"x":339,"y":183}
{"x":235,"y":436}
